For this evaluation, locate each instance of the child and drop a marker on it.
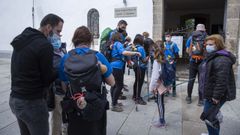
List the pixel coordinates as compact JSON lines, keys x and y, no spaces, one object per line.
{"x":156,"y":84}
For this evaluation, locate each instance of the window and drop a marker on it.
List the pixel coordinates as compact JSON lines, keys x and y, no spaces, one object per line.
{"x":93,"y":22}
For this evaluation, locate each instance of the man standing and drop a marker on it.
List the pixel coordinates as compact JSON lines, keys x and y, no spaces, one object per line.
{"x":31,"y":73}
{"x":58,"y":87}
{"x":171,"y":54}
{"x":195,"y":49}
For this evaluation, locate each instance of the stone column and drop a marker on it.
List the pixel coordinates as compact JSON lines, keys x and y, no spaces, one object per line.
{"x":233,"y":26}
{"x":158,"y":19}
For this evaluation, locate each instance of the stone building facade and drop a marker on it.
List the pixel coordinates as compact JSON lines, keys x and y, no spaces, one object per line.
{"x":209,"y":11}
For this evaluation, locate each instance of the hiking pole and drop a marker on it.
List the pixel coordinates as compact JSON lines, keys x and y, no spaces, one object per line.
{"x":157,"y":101}
{"x":138,"y":77}
{"x":147,"y":73}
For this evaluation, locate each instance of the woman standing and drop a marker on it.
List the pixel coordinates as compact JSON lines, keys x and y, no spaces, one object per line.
{"x":219,"y":82}
{"x":139,"y":69}
{"x":118,"y":52}
{"x":77,"y":124}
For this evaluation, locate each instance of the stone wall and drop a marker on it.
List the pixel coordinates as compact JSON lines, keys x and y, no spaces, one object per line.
{"x":158,"y":19}
{"x":233,"y":26}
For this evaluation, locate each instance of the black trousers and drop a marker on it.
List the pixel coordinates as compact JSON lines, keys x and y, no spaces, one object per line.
{"x":78,"y":126}
{"x":116,"y":90}
{"x":139,"y":79}
{"x":193,"y":72}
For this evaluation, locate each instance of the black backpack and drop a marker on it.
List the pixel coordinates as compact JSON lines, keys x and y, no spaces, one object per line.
{"x":84,"y":75}
{"x":106,"y":49}
{"x":197,"y":45}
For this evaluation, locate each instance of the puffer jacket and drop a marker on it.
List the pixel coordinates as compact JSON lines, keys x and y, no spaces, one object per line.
{"x":220,"y":81}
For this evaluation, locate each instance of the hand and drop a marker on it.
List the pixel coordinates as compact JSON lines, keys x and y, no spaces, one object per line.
{"x":81,"y":103}
{"x":138,"y":54}
{"x":215,"y":101}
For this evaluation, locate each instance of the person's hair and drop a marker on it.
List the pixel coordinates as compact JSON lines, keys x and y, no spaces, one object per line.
{"x":116,"y":36}
{"x":218,"y":39}
{"x":168,"y":33}
{"x":138,"y":39}
{"x":82,"y":36}
{"x":51,"y":19}
{"x":159,"y":49}
{"x":122,"y":22}
{"x":145,"y":34}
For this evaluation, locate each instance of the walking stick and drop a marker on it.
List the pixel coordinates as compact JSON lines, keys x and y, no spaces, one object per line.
{"x":147,"y":72}
{"x":138,"y":77}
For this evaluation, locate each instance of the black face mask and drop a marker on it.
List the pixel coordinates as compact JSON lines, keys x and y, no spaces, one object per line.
{"x":120,"y":30}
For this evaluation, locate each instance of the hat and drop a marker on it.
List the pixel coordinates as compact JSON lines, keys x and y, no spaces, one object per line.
{"x":200,"y":27}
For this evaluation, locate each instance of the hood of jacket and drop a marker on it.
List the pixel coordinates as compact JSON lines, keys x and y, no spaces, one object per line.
{"x":222,"y":53}
{"x":26,"y":37}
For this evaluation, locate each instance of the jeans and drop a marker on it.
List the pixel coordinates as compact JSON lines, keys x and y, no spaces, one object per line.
{"x":211,"y":130}
{"x":116,"y":90}
{"x":32,"y":115}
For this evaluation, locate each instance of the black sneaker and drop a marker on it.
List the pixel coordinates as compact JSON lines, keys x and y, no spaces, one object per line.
{"x":200,"y":103}
{"x":189,"y":100}
{"x":121,"y":97}
{"x":140,"y":101}
{"x":116,"y":108}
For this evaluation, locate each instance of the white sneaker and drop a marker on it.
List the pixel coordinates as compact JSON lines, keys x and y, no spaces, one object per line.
{"x":204,"y":133}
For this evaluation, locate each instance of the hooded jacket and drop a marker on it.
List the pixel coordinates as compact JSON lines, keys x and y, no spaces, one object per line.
{"x":220,"y":81}
{"x":31,"y":65}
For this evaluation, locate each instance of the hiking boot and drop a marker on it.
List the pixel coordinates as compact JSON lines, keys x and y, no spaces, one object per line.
{"x":189,"y":100}
{"x":116,"y":108}
{"x":121,"y":97}
{"x":140,"y":101}
{"x":125,"y":88}
{"x":174,"y":94}
{"x":200,"y":103}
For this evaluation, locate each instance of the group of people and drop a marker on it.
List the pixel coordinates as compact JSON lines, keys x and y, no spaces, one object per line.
{"x":77,"y":78}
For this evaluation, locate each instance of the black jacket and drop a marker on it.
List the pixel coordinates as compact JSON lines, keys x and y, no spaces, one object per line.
{"x":220,"y":82}
{"x":31,"y":65}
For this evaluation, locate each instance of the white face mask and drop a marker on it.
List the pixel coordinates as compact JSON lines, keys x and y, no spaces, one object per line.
{"x":167,"y":38}
{"x":211,"y":48}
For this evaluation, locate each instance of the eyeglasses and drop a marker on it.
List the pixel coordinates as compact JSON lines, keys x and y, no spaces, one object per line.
{"x":210,"y":44}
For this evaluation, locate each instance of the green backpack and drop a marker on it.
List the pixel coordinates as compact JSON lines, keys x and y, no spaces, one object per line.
{"x":105,"y":35}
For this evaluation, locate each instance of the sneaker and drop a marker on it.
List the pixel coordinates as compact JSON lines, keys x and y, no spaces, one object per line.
{"x":204,"y":133}
{"x":125,"y":88}
{"x":166,"y":94}
{"x":121,"y":97}
{"x":140,"y":101}
{"x":152,"y":98}
{"x":116,"y":108}
{"x":119,"y":104}
{"x":200,"y":103}
{"x":159,"y":124}
{"x":189,"y":100}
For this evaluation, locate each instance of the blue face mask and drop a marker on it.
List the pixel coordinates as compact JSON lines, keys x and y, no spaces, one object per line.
{"x":210,"y":48}
{"x":55,"y":41}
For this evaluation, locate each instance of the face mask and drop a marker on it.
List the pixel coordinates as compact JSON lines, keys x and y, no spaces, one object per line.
{"x":55,"y":41}
{"x":210,"y":48}
{"x":120,"y":30}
